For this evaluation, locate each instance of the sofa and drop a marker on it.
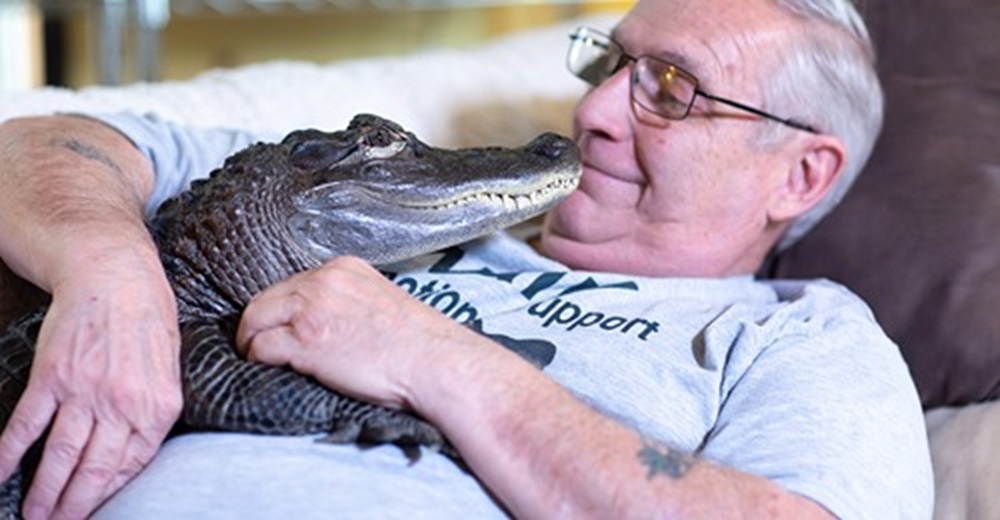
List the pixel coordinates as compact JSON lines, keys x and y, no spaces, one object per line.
{"x":915,"y":237}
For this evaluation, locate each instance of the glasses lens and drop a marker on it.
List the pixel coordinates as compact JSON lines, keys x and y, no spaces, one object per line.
{"x":663,"y":88}
{"x":593,"y":57}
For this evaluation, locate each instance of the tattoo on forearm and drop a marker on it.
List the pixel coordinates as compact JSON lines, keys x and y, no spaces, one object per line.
{"x":660,"y":459}
{"x":91,"y":152}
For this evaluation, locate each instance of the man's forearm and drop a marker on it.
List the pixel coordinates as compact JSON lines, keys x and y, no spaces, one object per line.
{"x":69,"y":183}
{"x":105,"y":375}
{"x":545,"y":454}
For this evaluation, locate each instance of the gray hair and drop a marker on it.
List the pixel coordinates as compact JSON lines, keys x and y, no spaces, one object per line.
{"x":827,"y":79}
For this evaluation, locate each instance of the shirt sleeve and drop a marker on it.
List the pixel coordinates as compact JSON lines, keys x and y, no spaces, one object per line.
{"x":179,"y":154}
{"x":827,"y":410}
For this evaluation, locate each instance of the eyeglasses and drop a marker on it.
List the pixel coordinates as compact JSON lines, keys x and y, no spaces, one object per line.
{"x":656,"y":85}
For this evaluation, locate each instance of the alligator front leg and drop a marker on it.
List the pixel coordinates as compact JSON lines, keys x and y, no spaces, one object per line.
{"x":224,"y":392}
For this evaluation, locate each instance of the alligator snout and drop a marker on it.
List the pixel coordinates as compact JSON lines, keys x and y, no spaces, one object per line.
{"x":551,"y":146}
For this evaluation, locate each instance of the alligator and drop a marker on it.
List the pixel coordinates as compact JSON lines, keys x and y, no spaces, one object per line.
{"x":372,"y":190}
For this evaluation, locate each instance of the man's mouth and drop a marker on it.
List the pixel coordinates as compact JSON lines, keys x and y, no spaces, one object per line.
{"x":590,"y":169}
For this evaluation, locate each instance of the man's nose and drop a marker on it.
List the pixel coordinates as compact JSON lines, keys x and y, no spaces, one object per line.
{"x":606,"y":108}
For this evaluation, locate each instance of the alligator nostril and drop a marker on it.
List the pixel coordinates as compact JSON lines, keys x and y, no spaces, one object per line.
{"x":550,"y":146}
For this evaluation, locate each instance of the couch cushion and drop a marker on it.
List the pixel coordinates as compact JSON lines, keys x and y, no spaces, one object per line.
{"x":964,"y":452}
{"x":917,"y":236}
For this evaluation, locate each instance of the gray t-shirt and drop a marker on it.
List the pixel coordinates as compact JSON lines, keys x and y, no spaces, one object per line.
{"x":790,"y":380}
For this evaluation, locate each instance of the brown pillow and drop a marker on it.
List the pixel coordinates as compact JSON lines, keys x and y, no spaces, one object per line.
{"x":919,"y":234}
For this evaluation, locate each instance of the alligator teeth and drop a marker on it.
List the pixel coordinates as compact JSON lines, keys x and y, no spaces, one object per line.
{"x":511,"y":202}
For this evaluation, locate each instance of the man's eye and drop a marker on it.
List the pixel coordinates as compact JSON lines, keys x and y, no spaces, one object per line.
{"x":669,"y":99}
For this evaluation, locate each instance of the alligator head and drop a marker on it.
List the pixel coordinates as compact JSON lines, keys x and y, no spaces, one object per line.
{"x":376,"y":191}
{"x":372,"y":190}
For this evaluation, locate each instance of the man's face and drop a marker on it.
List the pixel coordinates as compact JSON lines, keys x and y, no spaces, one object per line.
{"x":677,"y":198}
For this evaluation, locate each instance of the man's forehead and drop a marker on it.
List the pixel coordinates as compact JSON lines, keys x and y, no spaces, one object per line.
{"x":644,"y":41}
{"x":709,"y":38}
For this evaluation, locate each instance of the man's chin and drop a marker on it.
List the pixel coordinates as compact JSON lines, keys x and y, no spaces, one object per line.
{"x":579,"y":218}
{"x":576,"y":251}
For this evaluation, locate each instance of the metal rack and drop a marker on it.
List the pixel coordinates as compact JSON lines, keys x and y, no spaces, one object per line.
{"x":114,"y":19}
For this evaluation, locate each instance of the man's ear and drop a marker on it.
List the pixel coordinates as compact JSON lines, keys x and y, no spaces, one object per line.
{"x":814,"y":168}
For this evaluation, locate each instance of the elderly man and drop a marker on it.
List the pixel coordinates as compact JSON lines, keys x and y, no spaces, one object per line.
{"x":715,"y":131}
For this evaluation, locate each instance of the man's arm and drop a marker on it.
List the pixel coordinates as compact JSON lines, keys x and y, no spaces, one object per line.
{"x":71,"y":222}
{"x":550,"y":456}
{"x":543,"y":453}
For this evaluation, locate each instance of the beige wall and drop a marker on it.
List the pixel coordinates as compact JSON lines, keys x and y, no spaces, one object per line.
{"x":192,"y":44}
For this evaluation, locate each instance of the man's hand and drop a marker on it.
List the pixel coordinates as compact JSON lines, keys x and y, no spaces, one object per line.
{"x":331,"y":321}
{"x":353,"y":330}
{"x":105,"y":380}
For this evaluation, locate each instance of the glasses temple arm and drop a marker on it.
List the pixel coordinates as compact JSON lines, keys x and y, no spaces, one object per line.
{"x":790,"y":122}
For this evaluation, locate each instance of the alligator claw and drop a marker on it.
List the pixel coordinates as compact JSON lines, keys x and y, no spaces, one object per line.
{"x":405,"y":431}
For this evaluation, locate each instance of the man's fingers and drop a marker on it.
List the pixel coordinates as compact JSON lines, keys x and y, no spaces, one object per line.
{"x":274,"y":346}
{"x":29,"y":420}
{"x":272,"y":308}
{"x":65,"y":445}
{"x":97,"y":469}
{"x":138,"y":452}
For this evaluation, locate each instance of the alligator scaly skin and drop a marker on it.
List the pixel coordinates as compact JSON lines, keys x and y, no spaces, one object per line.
{"x":229,"y":238}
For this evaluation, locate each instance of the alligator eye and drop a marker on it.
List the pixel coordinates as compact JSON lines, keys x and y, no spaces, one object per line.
{"x":384,"y":152}
{"x":379,"y":138}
